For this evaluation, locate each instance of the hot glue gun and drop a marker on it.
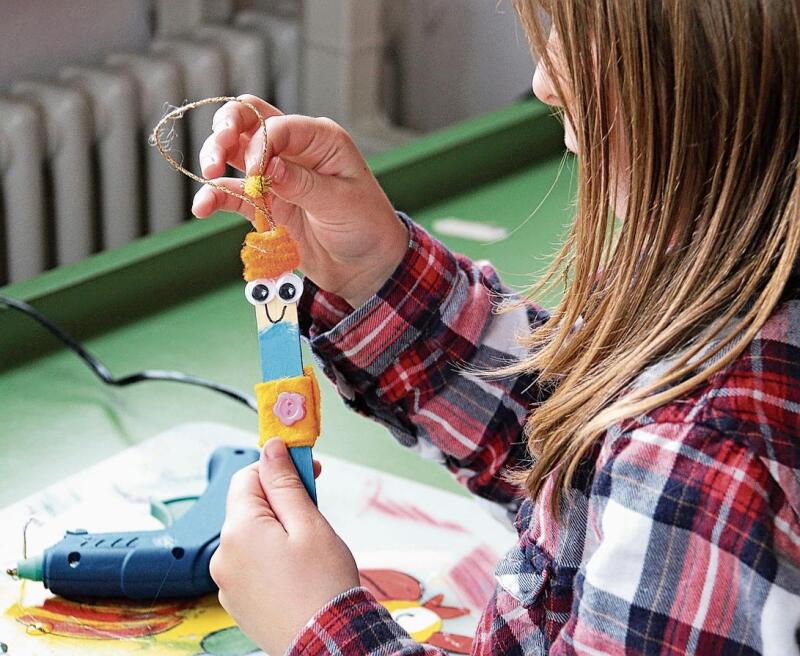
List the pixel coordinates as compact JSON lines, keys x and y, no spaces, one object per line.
{"x":171,"y":562}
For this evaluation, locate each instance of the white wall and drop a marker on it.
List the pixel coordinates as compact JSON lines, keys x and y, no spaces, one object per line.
{"x":41,"y":36}
{"x":456,"y":58}
{"x":450,"y":59}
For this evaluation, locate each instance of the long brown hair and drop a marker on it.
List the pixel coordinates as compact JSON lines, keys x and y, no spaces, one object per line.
{"x":694,"y":109}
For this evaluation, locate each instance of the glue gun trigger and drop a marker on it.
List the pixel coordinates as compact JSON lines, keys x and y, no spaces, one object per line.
{"x":169,"y":511}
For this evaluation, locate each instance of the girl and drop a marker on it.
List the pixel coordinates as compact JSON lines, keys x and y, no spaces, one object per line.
{"x":652,"y":420}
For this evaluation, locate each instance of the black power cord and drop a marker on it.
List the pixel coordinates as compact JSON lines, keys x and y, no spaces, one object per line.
{"x":103,"y":373}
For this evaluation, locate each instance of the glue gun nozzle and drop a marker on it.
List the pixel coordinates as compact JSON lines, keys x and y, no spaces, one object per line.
{"x":12,"y":572}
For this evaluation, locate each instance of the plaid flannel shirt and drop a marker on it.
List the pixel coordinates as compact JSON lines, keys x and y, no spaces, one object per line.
{"x":681,"y":535}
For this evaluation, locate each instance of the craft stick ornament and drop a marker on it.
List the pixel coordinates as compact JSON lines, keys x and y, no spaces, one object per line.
{"x":288,"y":397}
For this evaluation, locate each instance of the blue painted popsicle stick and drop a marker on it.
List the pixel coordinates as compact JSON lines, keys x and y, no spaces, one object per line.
{"x":282,"y":357}
{"x":304,"y":463}
{"x":279,"y":347}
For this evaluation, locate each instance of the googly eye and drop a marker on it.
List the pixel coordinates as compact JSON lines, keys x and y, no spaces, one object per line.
{"x":259,"y":292}
{"x":289,"y":287}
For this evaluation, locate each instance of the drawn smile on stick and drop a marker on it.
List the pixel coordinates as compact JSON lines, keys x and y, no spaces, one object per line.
{"x":283,"y":292}
{"x":279,"y":319}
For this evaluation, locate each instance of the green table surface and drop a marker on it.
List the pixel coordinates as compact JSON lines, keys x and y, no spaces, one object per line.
{"x":57,"y":418}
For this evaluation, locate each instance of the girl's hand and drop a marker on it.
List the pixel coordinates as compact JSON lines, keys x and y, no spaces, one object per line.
{"x":324,"y":193}
{"x":278,"y":560}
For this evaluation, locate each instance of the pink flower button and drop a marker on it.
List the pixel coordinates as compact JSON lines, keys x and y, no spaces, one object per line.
{"x":289,"y":408}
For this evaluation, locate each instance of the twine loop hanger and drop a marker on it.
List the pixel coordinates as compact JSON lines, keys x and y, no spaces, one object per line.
{"x":261,"y":200}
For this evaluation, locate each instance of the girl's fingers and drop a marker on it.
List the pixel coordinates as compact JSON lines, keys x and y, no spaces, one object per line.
{"x":214,"y":154}
{"x":209,"y":200}
{"x":233,"y":126}
{"x":317,"y":468}
{"x":240,"y":118}
{"x":315,"y":143}
{"x":292,"y":183}
{"x":284,"y":491}
{"x":246,"y":496}
{"x":212,"y":158}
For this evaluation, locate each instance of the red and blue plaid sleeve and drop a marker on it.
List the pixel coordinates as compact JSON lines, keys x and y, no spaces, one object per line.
{"x":355,"y":624}
{"x":409,"y":358}
{"x":691,"y":548}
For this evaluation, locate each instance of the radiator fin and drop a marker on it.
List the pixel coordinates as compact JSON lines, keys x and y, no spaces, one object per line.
{"x":77,"y":173}
{"x":67,"y":120}
{"x":113,"y":98}
{"x":21,"y":155}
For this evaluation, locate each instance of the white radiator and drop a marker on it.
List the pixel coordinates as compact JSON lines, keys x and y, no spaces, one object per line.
{"x":77,"y":174}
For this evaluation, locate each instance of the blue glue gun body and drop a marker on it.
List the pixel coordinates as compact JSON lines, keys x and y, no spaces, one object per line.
{"x":171,"y":562}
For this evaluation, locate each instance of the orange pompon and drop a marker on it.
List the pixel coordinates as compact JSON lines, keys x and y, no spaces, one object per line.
{"x":269,"y":254}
